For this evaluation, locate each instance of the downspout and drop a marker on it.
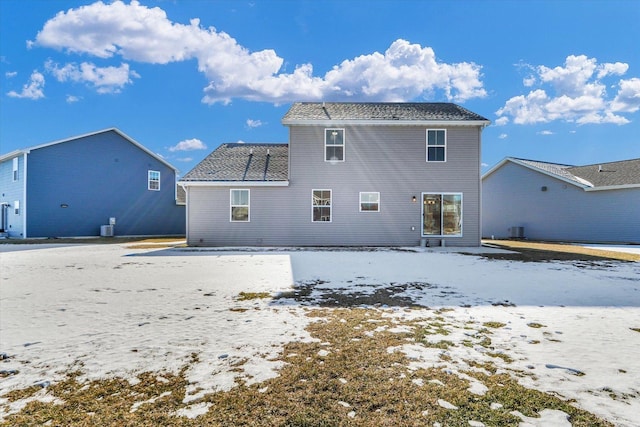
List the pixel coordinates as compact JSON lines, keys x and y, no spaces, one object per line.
{"x":24,"y":198}
{"x":480,"y":184}
{"x":186,"y":212}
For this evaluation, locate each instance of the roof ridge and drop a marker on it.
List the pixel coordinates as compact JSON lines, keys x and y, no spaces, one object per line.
{"x":542,"y":161}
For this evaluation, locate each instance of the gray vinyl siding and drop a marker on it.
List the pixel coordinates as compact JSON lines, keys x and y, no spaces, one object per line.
{"x":10,"y":192}
{"x":98,"y":177}
{"x":513,"y":197}
{"x":390,"y":160}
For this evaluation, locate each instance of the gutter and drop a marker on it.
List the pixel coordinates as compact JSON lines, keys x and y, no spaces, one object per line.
{"x":185,"y":184}
{"x":385,"y":122}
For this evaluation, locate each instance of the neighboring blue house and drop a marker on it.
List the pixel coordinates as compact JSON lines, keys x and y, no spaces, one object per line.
{"x":72,"y":187}
{"x":549,"y":201}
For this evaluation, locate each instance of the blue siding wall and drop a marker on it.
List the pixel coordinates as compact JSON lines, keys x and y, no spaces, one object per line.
{"x":74,"y":187}
{"x":10,"y":192}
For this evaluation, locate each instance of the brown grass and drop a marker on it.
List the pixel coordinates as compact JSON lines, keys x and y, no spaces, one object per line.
{"x":547,"y":251}
{"x":356,"y":381}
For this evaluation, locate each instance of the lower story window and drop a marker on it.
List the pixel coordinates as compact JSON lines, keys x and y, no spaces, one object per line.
{"x":321,"y":204}
{"x":369,"y":202}
{"x":239,"y":205}
{"x":442,"y":214}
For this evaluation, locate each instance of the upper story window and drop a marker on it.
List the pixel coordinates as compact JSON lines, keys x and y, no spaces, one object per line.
{"x":334,"y":145}
{"x":436,"y":145}
{"x":15,"y":168}
{"x":154,"y":181}
{"x":369,"y":202}
{"x":239,"y":205}
{"x":321,"y":204}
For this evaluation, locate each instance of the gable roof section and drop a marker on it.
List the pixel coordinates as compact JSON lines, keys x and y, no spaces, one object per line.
{"x":61,"y":141}
{"x":381,"y":113}
{"x":613,"y":174}
{"x":597,"y":177}
{"x":238,"y":163}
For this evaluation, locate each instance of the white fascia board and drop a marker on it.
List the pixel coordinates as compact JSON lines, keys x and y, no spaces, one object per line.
{"x":585,"y":186}
{"x":11,"y":155}
{"x":613,"y":187}
{"x":496,"y":167}
{"x":338,"y":122}
{"x":233,"y":183}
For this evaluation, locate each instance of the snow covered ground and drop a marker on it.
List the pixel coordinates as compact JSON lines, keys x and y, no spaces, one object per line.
{"x":109,"y":310}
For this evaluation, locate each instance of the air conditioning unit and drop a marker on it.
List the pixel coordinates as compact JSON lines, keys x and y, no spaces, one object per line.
{"x":106,"y":231}
{"x":516,"y":232}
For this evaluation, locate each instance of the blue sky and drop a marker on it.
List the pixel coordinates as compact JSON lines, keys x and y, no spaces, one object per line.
{"x":559,"y":80}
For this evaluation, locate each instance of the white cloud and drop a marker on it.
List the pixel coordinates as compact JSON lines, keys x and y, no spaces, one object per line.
{"x":188,"y":145}
{"x":72,"y":98}
{"x":618,"y":69}
{"x":502,"y":121}
{"x":628,"y":98}
{"x":34,"y":89}
{"x":254,"y":123}
{"x":10,"y":74}
{"x":185,"y":159}
{"x":545,"y":132}
{"x":135,"y":32}
{"x":574,"y":92}
{"x":103,"y":79}
{"x":503,"y":136}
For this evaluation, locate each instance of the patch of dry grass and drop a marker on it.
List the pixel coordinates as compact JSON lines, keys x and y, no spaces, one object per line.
{"x":247,"y":296}
{"x":131,"y":242}
{"x":542,"y":250}
{"x":348,"y":377}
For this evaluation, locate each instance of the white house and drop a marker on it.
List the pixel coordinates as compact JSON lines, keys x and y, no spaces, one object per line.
{"x":548,"y":201}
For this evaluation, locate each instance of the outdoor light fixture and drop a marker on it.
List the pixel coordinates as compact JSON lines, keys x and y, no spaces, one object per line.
{"x":413,"y":199}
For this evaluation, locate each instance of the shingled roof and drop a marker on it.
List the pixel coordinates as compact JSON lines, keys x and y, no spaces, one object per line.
{"x":305,"y":112}
{"x":243,"y":162}
{"x":601,"y":176}
{"x":626,"y":172}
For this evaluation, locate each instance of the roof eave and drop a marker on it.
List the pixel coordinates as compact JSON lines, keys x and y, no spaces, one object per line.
{"x":542,"y":171}
{"x":382,"y":122}
{"x":11,"y":155}
{"x":233,"y":183}
{"x":613,"y":187}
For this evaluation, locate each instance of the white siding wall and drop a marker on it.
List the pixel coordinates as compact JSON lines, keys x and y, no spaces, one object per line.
{"x":12,"y":191}
{"x":512,"y":196}
{"x":389,"y":160}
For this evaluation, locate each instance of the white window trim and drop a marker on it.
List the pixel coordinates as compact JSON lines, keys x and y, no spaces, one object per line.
{"x":15,"y":174}
{"x":426,"y":144}
{"x":344,"y":145}
{"x":16,"y":207}
{"x":441,"y":214}
{"x":149,"y":180}
{"x":231,"y":205}
{"x":330,"y":204}
{"x":360,"y":201}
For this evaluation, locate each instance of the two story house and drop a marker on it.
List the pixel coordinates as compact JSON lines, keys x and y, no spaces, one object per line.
{"x":352,"y":174}
{"x":73,"y":187}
